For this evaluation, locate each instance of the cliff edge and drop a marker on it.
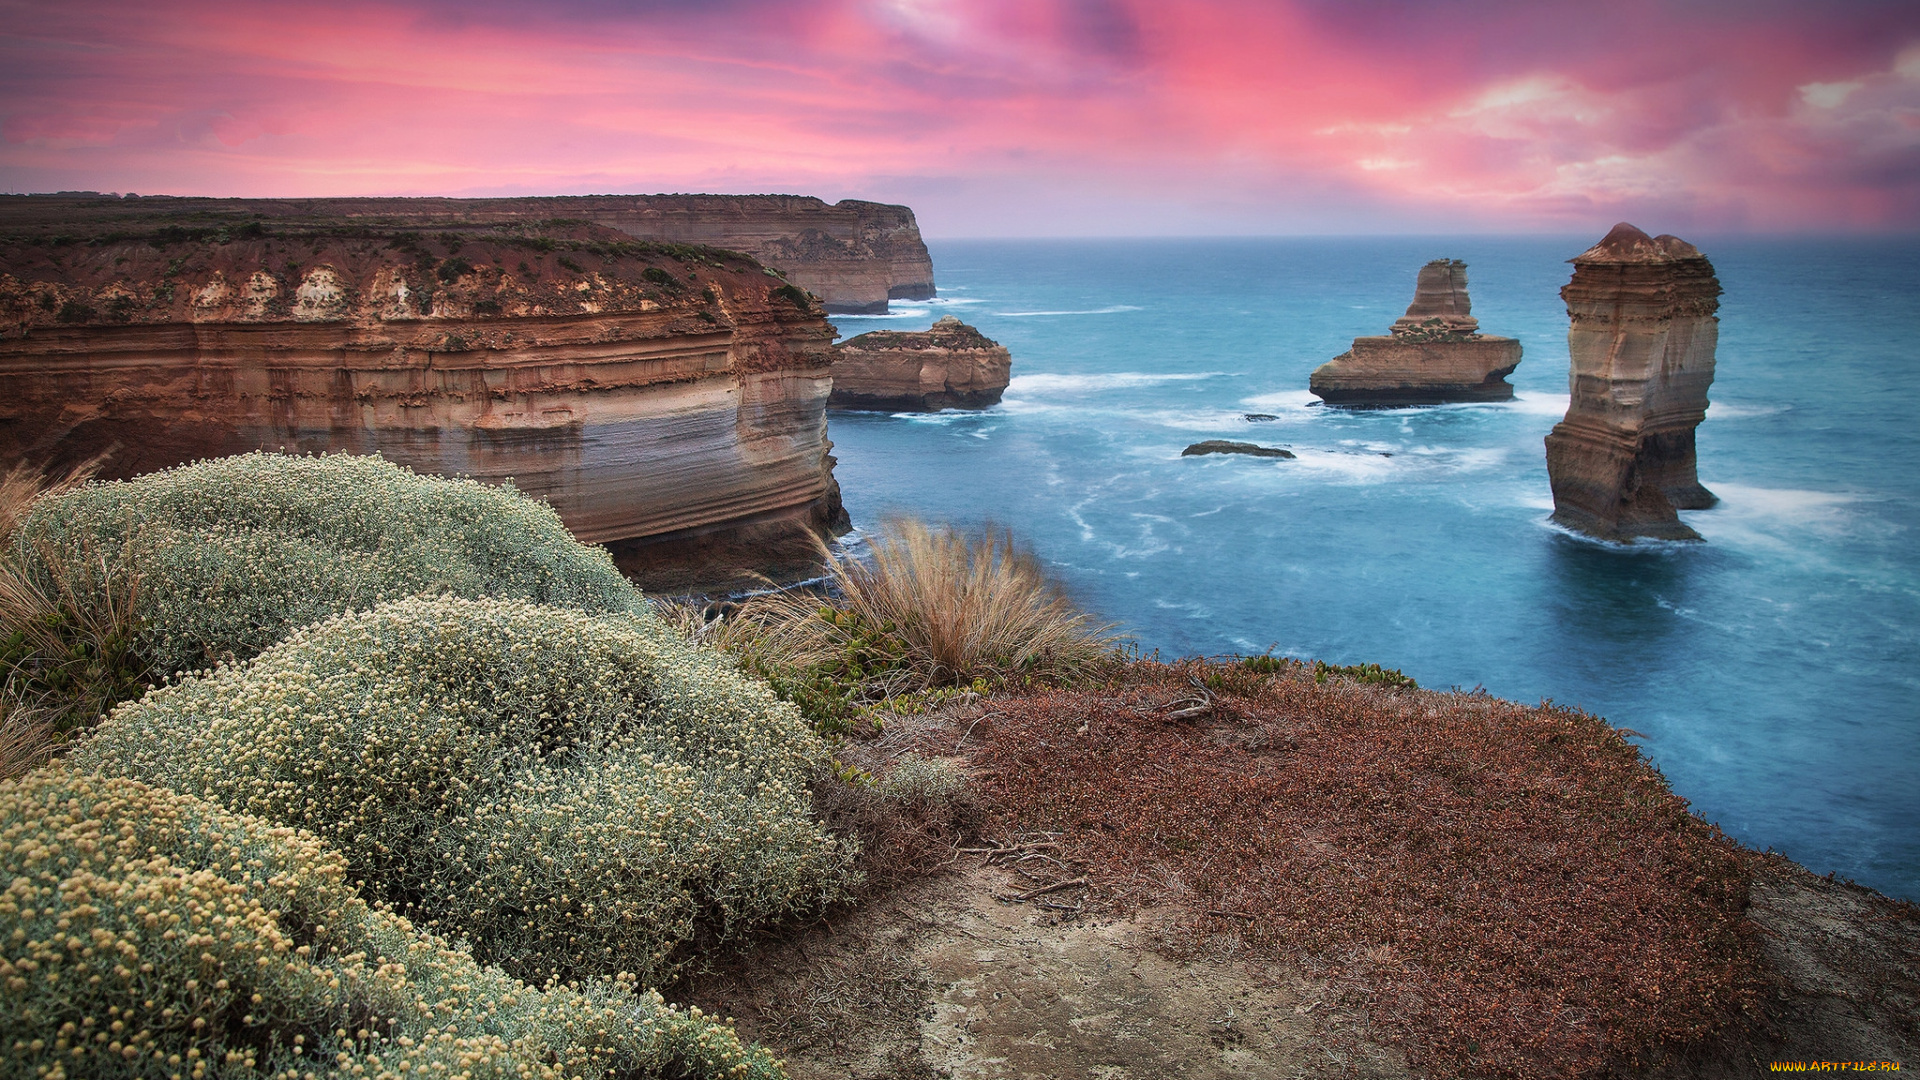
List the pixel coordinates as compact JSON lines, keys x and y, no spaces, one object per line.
{"x":668,"y":400}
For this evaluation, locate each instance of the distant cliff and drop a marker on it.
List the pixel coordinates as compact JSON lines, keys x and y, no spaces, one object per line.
{"x":667,"y":399}
{"x":948,"y":366}
{"x":854,"y":255}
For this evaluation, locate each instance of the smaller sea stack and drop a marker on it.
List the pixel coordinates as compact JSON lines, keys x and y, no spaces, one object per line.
{"x":950,"y":366}
{"x":1434,"y":353}
{"x":1641,"y":344}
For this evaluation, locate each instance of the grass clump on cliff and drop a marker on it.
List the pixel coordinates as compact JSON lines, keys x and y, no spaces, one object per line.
{"x":928,"y":609}
{"x":233,"y":554}
{"x":66,"y":627}
{"x":149,"y":934}
{"x":574,"y":795}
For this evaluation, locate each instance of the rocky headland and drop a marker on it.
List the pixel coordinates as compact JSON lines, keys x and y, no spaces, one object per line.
{"x":1434,"y":353}
{"x":854,"y":255}
{"x":1642,"y":348}
{"x":950,"y":366}
{"x":667,"y":399}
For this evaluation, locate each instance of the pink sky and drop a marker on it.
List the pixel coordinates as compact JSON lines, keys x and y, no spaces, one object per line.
{"x":1001,"y":117}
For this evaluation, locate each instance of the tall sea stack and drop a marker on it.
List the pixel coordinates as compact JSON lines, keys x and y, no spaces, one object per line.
{"x":1434,"y":353}
{"x":1641,"y":342}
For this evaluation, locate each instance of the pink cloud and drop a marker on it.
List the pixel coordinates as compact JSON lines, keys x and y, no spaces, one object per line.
{"x":999,"y":115}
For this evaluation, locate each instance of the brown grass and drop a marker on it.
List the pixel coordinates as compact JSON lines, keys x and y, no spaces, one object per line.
{"x":66,"y":628}
{"x":1512,"y":888}
{"x":928,"y":607}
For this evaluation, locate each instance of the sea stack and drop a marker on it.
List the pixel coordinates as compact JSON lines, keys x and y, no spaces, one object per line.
{"x":1641,"y":342}
{"x":1434,"y":353}
{"x":950,"y":366}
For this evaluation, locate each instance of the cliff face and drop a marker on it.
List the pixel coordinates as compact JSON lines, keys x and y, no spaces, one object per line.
{"x":950,"y":366}
{"x":854,"y":255}
{"x":669,"y":401}
{"x":1432,"y":354}
{"x":1642,"y":343}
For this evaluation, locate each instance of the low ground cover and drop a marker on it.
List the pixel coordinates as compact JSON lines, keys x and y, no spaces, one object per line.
{"x":1513,"y":888}
{"x":574,"y":795}
{"x":149,"y":934}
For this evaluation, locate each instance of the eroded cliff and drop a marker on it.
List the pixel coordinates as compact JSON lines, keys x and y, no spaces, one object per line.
{"x":1434,"y":353}
{"x":668,"y":400}
{"x":854,"y":255}
{"x":1641,"y":344}
{"x":948,"y":366}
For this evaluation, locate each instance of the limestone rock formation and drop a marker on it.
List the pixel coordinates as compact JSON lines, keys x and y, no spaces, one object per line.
{"x":1641,"y":343}
{"x":667,"y":400}
{"x":854,"y":255}
{"x":950,"y":366}
{"x":1434,"y":353}
{"x":1225,"y":446}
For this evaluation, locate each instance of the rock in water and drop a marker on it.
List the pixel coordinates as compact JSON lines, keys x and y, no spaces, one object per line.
{"x":667,"y":400}
{"x":1641,"y":342}
{"x":950,"y":366}
{"x":1222,"y":446}
{"x":1435,"y":353}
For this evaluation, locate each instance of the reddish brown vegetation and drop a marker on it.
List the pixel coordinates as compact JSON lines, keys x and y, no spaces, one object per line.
{"x":1516,"y":885}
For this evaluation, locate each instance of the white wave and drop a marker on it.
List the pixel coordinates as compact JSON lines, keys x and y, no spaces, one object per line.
{"x":1110,"y":310}
{"x":1089,"y":384}
{"x":1343,"y":465}
{"x":942,"y":301}
{"x":1281,"y":401}
{"x":1725,"y":410}
{"x":1535,"y":403}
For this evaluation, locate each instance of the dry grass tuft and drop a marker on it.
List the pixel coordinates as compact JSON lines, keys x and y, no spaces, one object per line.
{"x":929,"y":608}
{"x":66,"y":627}
{"x":1513,"y":887}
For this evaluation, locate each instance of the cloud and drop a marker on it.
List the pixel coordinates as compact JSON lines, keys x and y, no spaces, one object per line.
{"x":1227,"y":115}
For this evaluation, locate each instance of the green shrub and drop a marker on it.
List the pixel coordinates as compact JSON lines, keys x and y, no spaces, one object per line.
{"x":235,"y":553}
{"x":1371,"y":674}
{"x":149,"y":934}
{"x":574,"y":795}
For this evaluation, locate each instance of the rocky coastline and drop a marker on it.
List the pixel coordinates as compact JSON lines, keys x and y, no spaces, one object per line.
{"x":948,"y":366}
{"x":667,"y":400}
{"x":1433,"y":354}
{"x":1641,"y":342}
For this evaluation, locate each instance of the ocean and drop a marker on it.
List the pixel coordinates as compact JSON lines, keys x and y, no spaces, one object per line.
{"x":1773,"y":672}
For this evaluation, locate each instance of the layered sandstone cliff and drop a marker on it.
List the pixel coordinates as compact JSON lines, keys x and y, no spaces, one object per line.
{"x":667,"y":400}
{"x":950,"y":366}
{"x":854,"y":255}
{"x":1434,"y":353}
{"x":1642,"y":343}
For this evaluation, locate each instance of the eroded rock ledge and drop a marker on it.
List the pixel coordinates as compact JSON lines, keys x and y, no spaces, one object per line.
{"x":668,"y":400}
{"x":950,"y":366}
{"x":854,"y":255}
{"x":1642,"y":344}
{"x":1434,"y":353}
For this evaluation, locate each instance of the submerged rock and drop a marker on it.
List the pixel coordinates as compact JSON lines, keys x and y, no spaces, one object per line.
{"x":949,"y":366}
{"x":1641,"y":344}
{"x":1434,"y":353}
{"x":1222,"y":446}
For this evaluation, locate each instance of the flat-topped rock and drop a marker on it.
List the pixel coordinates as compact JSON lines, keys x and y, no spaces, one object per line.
{"x":1431,"y":355}
{"x":948,"y":366}
{"x":667,"y":400}
{"x":1641,"y":343}
{"x":1224,"y":446}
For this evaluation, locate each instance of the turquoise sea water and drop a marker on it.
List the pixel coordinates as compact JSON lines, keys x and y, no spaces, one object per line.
{"x":1774,"y":671}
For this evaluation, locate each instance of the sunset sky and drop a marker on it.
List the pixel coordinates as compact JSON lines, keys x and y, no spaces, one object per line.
{"x":1001,"y":117}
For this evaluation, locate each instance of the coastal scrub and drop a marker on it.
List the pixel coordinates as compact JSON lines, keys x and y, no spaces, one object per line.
{"x":574,"y":795}
{"x":234,"y":553}
{"x":149,"y":934}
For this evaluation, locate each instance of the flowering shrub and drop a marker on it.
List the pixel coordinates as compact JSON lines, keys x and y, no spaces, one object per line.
{"x":234,"y":553}
{"x":149,"y":934}
{"x":575,"y":795}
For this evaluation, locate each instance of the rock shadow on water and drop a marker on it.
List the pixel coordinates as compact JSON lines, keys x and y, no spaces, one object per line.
{"x":1619,"y":594}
